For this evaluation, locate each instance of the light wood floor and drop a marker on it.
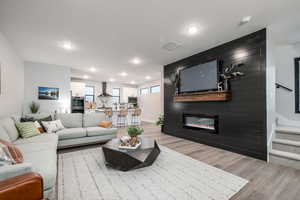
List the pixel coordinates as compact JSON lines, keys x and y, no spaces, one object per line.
{"x":267,"y":181}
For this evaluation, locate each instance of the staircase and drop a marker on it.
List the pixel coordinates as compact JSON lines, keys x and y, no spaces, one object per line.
{"x":286,"y":147}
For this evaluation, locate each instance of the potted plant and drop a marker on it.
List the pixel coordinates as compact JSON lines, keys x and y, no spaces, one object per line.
{"x":160,"y":122}
{"x":34,"y":107}
{"x":133,"y":141}
{"x":134,"y":132}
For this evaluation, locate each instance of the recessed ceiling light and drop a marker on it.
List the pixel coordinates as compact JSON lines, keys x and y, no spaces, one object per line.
{"x":192,"y":30}
{"x":245,"y":20}
{"x":93,"y":69}
{"x":85,"y":76}
{"x":148,"y":77}
{"x":112,"y":80}
{"x":136,"y":61}
{"x":67,"y":45}
{"x":123,"y":74}
{"x":132,"y":82}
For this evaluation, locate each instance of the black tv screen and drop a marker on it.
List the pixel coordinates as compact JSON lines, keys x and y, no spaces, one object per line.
{"x":202,"y":77}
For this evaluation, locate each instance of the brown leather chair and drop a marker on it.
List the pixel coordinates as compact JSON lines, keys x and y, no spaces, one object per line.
{"x":27,"y":186}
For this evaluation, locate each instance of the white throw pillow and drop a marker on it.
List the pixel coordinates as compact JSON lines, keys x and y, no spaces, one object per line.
{"x":59,"y":125}
{"x":50,"y":126}
{"x":53,"y":126}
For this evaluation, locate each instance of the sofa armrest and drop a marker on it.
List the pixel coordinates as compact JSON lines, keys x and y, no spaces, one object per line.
{"x":10,"y":171}
{"x":28,"y":186}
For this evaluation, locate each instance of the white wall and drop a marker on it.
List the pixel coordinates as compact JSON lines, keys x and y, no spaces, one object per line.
{"x":47,"y":75}
{"x":78,"y":89}
{"x":12,"y":80}
{"x":270,"y":88}
{"x":128,"y":92}
{"x":285,"y":75}
{"x":150,"y":104}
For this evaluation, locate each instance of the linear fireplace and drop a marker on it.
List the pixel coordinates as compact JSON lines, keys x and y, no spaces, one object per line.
{"x":201,"y":121}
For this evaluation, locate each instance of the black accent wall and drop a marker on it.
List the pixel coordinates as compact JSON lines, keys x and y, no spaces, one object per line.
{"x":242,"y":120}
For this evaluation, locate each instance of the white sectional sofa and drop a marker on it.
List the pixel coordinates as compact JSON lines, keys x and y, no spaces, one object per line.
{"x":40,"y":152}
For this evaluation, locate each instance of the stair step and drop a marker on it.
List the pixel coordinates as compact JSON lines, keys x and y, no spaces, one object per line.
{"x":285,"y":158}
{"x":286,"y":145}
{"x":287,"y":142}
{"x":288,"y":129}
{"x":288,"y":133}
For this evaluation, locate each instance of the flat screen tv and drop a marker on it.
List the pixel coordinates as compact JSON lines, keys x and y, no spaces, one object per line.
{"x":201,"y":77}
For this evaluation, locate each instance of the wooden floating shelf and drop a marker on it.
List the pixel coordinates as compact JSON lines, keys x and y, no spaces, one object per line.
{"x":203,"y":96}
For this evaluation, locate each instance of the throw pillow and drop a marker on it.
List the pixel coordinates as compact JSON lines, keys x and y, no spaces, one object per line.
{"x":32,"y":119}
{"x":5,"y":157}
{"x":105,"y":124}
{"x":53,"y":126}
{"x":14,"y":152}
{"x":46,"y":119}
{"x":39,"y":127}
{"x":59,"y":125}
{"x":27,"y":129}
{"x":49,"y":127}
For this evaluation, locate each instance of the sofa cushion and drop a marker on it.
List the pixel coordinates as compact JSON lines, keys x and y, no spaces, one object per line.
{"x":3,"y":134}
{"x":9,"y":125}
{"x":93,"y":119}
{"x":38,"y":143}
{"x":70,"y":133}
{"x":72,"y":120}
{"x":50,"y":139}
{"x":27,"y":129}
{"x":84,"y":141}
{"x":98,"y":131}
{"x":38,"y":116}
{"x":40,"y":152}
{"x":43,"y":160}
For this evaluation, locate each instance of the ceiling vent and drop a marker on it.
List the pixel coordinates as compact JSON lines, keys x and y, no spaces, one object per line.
{"x":171,"y":46}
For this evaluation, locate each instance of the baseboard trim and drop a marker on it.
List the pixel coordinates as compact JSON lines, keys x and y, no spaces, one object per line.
{"x":149,"y":121}
{"x":258,"y":155}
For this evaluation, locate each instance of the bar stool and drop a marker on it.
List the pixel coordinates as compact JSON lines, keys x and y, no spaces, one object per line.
{"x":108,"y":114}
{"x":135,"y":117}
{"x":122,"y":118}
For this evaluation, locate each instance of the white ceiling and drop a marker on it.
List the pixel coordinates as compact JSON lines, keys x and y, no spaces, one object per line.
{"x":108,"y":33}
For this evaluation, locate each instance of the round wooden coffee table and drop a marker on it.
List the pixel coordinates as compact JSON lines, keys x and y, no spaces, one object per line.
{"x":126,"y":160}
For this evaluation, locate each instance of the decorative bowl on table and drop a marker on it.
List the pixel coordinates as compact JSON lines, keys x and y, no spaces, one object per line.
{"x":129,"y":143}
{"x":132,"y":141}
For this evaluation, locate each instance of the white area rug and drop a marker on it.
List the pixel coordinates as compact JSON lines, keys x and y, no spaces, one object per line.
{"x":83,"y":175}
